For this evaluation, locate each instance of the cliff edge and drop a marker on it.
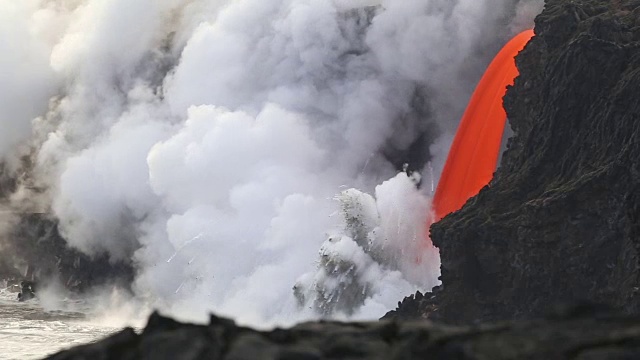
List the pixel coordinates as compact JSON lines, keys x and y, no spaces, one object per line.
{"x":561,"y":220}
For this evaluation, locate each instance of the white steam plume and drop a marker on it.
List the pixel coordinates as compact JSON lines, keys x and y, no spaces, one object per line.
{"x":206,"y":140}
{"x":27,"y":82}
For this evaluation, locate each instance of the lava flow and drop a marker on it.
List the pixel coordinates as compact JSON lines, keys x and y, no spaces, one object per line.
{"x":474,"y":153}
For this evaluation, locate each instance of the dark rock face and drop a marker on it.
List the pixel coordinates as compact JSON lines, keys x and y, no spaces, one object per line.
{"x":48,"y":257}
{"x":27,"y":291}
{"x":561,"y":219}
{"x":572,"y":333}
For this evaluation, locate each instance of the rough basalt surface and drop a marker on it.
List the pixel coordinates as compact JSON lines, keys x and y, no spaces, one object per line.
{"x":577,"y":332}
{"x":561,"y":219}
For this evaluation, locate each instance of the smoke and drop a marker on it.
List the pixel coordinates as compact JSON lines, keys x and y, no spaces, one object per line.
{"x":27,"y":80}
{"x":204,"y":142}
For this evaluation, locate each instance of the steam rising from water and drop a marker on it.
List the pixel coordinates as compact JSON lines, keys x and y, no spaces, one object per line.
{"x":206,"y":141}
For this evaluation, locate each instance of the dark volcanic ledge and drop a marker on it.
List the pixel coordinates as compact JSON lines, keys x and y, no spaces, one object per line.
{"x":561,"y":219}
{"x":565,"y":336}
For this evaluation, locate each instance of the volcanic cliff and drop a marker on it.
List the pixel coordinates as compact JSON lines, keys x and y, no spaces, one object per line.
{"x":561,"y":219}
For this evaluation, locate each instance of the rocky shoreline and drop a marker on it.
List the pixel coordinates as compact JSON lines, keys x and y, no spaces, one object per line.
{"x":572,"y":332}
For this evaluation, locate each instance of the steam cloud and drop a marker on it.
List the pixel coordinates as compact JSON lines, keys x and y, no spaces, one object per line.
{"x":206,"y":140}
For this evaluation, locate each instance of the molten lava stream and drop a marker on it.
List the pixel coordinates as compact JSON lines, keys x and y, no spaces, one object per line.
{"x":474,"y":153}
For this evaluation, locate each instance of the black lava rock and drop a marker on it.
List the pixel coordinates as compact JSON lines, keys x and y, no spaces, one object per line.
{"x":573,"y":333}
{"x":27,"y":290}
{"x":561,"y":219}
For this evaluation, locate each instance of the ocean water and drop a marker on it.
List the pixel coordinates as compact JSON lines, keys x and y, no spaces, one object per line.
{"x":29,"y":331}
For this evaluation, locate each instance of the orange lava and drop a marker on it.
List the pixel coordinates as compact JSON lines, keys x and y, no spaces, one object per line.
{"x":474,"y":153}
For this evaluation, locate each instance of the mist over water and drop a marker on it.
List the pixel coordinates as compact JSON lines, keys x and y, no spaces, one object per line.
{"x":212,"y":143}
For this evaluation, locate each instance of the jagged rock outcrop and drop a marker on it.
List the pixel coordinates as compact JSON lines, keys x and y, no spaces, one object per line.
{"x":561,"y":219}
{"x":27,"y":291}
{"x":576,"y":332}
{"x":38,"y":246}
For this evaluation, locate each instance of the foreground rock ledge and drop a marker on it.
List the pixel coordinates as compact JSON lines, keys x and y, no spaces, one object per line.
{"x":576,"y":332}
